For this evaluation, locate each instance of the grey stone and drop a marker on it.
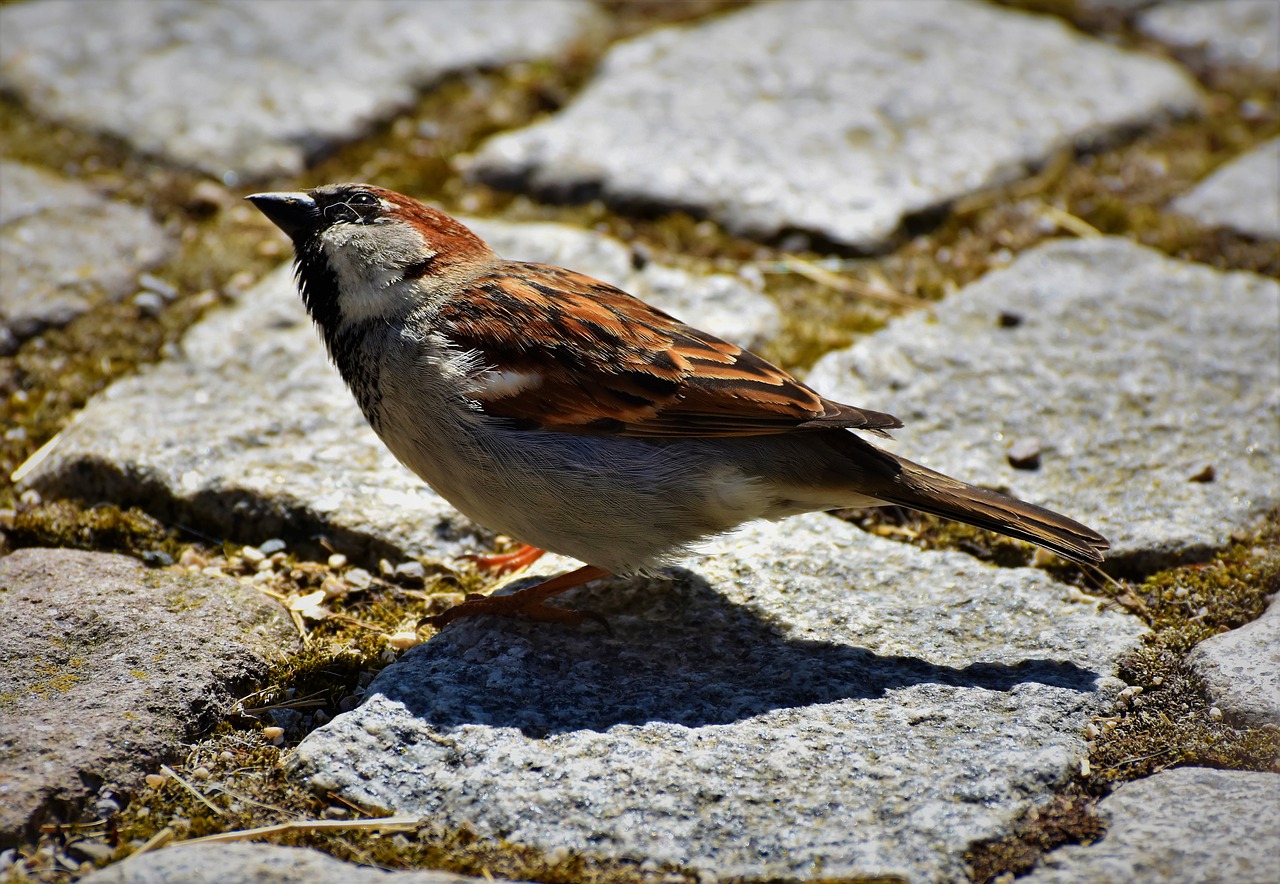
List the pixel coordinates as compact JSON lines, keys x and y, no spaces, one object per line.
{"x":255,"y":864}
{"x":1133,"y":370}
{"x":249,"y":433}
{"x":803,"y":701}
{"x":253,"y":89}
{"x":1190,"y":825}
{"x":1229,"y":31}
{"x":1244,"y":194}
{"x":833,"y":117}
{"x":1241,"y":669}
{"x":64,"y":249}
{"x":107,"y":666}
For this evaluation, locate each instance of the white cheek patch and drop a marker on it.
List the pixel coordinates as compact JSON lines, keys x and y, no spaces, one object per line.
{"x":370,"y":270}
{"x":488,"y":386}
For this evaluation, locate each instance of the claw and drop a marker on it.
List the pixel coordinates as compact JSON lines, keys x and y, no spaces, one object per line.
{"x":506,"y":563}
{"x":528,"y":602}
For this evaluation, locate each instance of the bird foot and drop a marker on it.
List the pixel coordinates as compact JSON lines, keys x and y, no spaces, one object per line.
{"x":529,"y":602}
{"x":506,"y":563}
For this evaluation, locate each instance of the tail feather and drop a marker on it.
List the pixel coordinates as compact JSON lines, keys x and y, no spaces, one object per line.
{"x":920,"y":488}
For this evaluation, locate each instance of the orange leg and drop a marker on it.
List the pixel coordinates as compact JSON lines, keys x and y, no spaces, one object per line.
{"x":507,"y":563}
{"x":528,"y":602}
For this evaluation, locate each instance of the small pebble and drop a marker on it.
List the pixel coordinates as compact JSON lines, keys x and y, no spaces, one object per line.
{"x":402,"y":641}
{"x":1024,"y":454}
{"x":337,"y":560}
{"x":157,"y":558}
{"x":273,"y":546}
{"x":155,"y":780}
{"x":208,"y":197}
{"x":252,"y":555}
{"x":411,"y":572}
{"x":1207,"y":474}
{"x":385,"y":568}
{"x":155,"y":284}
{"x":335,"y":813}
{"x":1009,"y":319}
{"x":358,"y":578}
{"x":333,"y":588}
{"x":273,"y":733}
{"x":149,"y":304}
{"x":1215,"y":714}
{"x":213,"y":571}
{"x":190,"y":558}
{"x":201,"y":773}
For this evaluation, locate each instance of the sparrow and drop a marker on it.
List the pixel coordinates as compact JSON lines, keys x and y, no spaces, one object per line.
{"x":562,"y":411}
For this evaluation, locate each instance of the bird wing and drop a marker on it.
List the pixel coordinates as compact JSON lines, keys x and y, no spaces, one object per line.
{"x":562,"y":351}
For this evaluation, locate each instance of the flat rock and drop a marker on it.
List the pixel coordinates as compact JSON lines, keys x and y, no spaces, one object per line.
{"x":249,"y":433}
{"x":106,"y":667}
{"x":803,"y":701}
{"x":1244,"y":194}
{"x":65,"y":248}
{"x":834,"y":117}
{"x":245,"y":89}
{"x":1228,"y":31}
{"x":1133,"y":370}
{"x":1190,"y":825}
{"x":256,"y":864}
{"x":1241,"y":669}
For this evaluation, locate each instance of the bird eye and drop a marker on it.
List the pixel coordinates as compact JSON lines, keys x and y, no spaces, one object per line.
{"x":363,"y":198}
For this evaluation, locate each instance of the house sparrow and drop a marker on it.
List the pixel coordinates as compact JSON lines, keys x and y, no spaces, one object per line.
{"x":562,"y":411}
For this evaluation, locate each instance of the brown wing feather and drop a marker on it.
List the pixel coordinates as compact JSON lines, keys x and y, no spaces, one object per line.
{"x":604,"y":362}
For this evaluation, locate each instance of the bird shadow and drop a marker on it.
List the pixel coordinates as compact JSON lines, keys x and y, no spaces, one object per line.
{"x":679,"y":652}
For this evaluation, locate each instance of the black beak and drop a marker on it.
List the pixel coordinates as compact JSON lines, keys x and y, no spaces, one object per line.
{"x":294,"y":213}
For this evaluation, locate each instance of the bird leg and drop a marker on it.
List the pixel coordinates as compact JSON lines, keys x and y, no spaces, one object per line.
{"x":507,"y":563}
{"x":528,"y":602}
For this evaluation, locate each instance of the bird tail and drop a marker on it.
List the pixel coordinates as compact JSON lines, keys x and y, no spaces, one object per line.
{"x":877,"y":477}
{"x":920,"y":488}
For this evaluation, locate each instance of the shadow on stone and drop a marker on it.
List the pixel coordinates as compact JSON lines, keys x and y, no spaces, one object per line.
{"x":680,"y":652}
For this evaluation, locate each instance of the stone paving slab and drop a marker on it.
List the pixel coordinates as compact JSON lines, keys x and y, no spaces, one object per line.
{"x":803,"y":701}
{"x":1241,"y":670}
{"x":832,"y":117}
{"x":256,"y":864}
{"x":65,"y":248}
{"x":1244,"y":194}
{"x":1191,"y":825}
{"x":239,"y":88}
{"x":1135,"y":372}
{"x":107,"y":666}
{"x":250,"y":433}
{"x":1229,"y":31}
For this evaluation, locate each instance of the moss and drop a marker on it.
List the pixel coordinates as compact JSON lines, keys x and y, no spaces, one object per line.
{"x":104,"y":527}
{"x":1069,"y":817}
